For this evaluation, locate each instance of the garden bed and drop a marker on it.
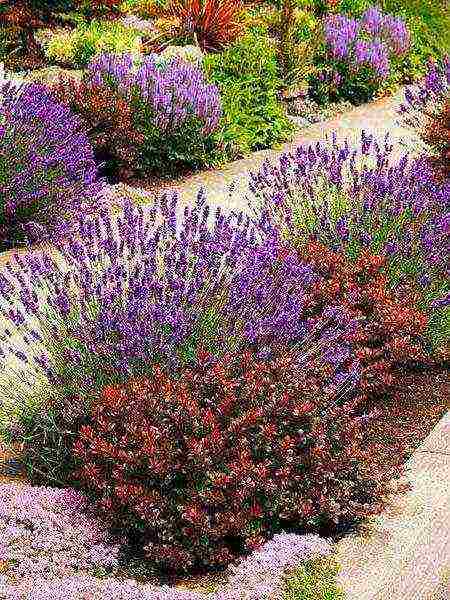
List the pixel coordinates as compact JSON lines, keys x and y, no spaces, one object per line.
{"x":199,"y":395}
{"x":412,"y":415}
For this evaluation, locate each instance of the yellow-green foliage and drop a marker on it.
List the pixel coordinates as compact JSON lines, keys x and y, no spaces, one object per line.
{"x":144,"y":8}
{"x":314,"y":580}
{"x":77,"y":47}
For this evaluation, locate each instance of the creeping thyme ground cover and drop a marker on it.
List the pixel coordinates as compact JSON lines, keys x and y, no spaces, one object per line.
{"x":192,"y":389}
{"x":65,"y":549}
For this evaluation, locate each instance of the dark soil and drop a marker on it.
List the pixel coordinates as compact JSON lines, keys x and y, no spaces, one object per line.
{"x":409,"y":418}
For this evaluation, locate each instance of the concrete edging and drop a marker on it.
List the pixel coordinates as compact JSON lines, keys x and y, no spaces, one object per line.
{"x":404,"y":553}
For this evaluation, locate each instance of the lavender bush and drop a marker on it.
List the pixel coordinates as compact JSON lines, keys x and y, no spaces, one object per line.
{"x":425,"y":98}
{"x":173,"y":110}
{"x":151,"y":288}
{"x":47,"y":167}
{"x":358,"y":54}
{"x":398,"y":210}
{"x":426,"y":109}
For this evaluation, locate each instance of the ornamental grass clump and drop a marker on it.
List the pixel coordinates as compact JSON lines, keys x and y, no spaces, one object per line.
{"x":213,"y":24}
{"x":207,"y":466}
{"x":145,"y":115}
{"x":398,"y":212}
{"x":427,"y":110}
{"x":47,"y":166}
{"x":144,"y":289}
{"x":359,"y":53}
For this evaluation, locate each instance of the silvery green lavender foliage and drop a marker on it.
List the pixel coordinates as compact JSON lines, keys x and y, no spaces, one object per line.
{"x":396,"y":210}
{"x":175,"y":108}
{"x":362,"y":48}
{"x":47,"y":167}
{"x":260,"y":576}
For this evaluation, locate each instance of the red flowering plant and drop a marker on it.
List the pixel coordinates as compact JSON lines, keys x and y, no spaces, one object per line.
{"x":212,"y":463}
{"x":108,"y":118}
{"x":437,"y":136}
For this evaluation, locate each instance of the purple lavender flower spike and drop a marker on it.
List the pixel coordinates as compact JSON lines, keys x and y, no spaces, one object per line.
{"x":59,"y":147}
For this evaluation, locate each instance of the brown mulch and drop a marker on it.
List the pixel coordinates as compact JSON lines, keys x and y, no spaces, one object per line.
{"x":408,"y":419}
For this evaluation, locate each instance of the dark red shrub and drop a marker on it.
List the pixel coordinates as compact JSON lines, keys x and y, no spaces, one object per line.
{"x":389,"y":334}
{"x":213,"y":463}
{"x":108,"y":119}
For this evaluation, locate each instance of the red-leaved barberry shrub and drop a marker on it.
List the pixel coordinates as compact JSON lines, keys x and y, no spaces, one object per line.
{"x":108,"y":118}
{"x":437,"y":135}
{"x":389,"y":334}
{"x":213,"y":463}
{"x":216,"y":23}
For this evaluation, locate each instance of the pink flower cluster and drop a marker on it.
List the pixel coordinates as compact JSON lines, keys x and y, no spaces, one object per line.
{"x":51,"y":547}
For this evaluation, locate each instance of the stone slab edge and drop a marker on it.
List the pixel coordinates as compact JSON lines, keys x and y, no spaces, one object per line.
{"x":404,"y":554}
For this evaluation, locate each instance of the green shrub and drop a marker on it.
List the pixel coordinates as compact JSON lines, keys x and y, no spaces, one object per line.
{"x":355,"y":8}
{"x":9,"y":42}
{"x":90,"y":38}
{"x":249,"y":80}
{"x":144,"y":8}
{"x":314,"y":580}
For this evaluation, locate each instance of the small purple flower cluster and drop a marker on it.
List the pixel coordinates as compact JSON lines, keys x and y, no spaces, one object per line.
{"x":174,"y":92}
{"x":425,"y":98}
{"x":51,"y":547}
{"x":261,"y":575}
{"x":368,"y":41}
{"x":47,"y":167}
{"x":48,"y":533}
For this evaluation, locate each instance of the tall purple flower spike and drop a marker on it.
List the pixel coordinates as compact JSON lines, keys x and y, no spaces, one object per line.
{"x":49,"y":172}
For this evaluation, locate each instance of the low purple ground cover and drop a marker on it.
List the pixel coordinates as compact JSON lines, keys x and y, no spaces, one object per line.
{"x":52,"y":546}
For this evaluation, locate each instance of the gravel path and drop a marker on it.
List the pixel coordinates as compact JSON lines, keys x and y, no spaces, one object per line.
{"x":377,"y":118}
